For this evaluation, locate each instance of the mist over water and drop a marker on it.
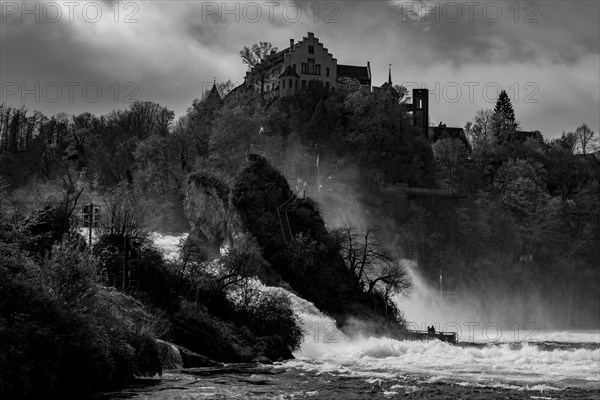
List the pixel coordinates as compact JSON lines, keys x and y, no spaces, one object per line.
{"x":528,"y":366}
{"x":491,"y":316}
{"x":548,"y":360}
{"x":428,"y":304}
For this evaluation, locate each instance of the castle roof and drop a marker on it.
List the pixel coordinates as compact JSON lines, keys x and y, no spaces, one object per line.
{"x":214,"y":97}
{"x":354,"y":72}
{"x":289,"y":72}
{"x":445,"y":132}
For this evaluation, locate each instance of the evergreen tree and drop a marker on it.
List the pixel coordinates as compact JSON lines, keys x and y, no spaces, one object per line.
{"x":504,"y":119}
{"x":504,"y":106}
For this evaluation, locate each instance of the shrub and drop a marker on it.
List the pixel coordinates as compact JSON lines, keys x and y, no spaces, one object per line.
{"x":271,"y":314}
{"x":133,"y":265}
{"x":70,"y":276}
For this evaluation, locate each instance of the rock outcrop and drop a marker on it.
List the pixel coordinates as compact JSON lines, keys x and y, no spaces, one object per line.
{"x":313,"y":268}
{"x":206,"y":205}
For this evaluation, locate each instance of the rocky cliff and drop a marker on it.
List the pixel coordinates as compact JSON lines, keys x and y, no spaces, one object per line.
{"x":310,"y":264}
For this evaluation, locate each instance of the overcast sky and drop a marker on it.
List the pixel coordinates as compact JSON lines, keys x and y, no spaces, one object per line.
{"x":545,"y":53}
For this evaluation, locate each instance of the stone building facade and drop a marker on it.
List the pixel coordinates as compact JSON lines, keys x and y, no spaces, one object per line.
{"x":292,"y":69}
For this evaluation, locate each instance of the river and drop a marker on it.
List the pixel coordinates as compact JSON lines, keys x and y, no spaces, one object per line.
{"x":487,"y":363}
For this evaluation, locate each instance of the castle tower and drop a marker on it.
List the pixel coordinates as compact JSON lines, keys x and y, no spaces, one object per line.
{"x":289,"y":82}
{"x":214,"y":98}
{"x":420,"y":98}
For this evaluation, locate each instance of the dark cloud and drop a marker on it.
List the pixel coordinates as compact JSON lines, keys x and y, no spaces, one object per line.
{"x":178,"y":47}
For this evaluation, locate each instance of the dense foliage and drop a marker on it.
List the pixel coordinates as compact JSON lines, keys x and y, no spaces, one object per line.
{"x":59,"y":333}
{"x":73,"y":322}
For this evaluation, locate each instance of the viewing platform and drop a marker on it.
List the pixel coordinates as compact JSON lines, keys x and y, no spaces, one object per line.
{"x":448,"y":337}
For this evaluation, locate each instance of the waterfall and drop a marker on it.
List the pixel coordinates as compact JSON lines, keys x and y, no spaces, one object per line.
{"x":170,"y":357}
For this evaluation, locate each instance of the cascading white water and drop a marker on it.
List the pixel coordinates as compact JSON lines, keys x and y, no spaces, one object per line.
{"x":572,"y":360}
{"x":169,"y":244}
{"x":526,"y":366}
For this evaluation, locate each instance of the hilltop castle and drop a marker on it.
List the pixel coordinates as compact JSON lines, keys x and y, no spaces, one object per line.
{"x":289,"y":71}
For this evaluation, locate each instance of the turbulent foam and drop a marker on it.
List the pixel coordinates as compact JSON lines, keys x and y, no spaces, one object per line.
{"x":169,"y":245}
{"x":388,"y":357}
{"x":527,"y":366}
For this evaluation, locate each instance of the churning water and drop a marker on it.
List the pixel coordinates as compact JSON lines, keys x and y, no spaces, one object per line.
{"x":521,"y":358}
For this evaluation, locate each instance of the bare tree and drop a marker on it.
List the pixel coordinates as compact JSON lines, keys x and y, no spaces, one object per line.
{"x":361,"y":252}
{"x":584,"y":138}
{"x":369,"y":261}
{"x":393,"y":277}
{"x":258,"y":58}
{"x":121,"y":213}
{"x":241,"y":262}
{"x":479,"y":131}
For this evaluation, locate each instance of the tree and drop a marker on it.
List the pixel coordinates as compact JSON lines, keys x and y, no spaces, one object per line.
{"x":121,"y":213}
{"x":225,"y":87}
{"x":241,"y":262}
{"x":402,"y":93}
{"x":567,"y":141}
{"x":451,"y":156}
{"x":159,"y":166}
{"x":479,"y":131}
{"x":232,"y":132}
{"x":394,"y":278}
{"x":504,"y":120}
{"x":371,"y":264}
{"x":504,"y":106}
{"x":361,"y":252}
{"x":584,"y":139}
{"x":258,"y":59}
{"x":522,"y":193}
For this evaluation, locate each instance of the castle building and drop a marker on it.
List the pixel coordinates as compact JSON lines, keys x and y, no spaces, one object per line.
{"x":289,"y":71}
{"x":292,"y":69}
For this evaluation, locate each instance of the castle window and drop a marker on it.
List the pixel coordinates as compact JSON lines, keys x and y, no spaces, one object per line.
{"x":311,"y":68}
{"x":327,"y":71}
{"x":290,"y":82}
{"x":420,"y":104}
{"x":303,"y":83}
{"x":294,"y":67}
{"x":311,"y":49}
